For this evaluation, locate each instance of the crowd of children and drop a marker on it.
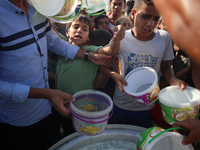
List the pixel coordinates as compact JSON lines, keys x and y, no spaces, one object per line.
{"x":146,"y":43}
{"x":134,"y":29}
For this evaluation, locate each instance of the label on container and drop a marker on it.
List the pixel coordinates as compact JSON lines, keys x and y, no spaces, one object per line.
{"x":171,"y":114}
{"x":146,"y":136}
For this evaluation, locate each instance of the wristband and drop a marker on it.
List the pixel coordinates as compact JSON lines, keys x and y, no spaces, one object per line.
{"x":86,"y":55}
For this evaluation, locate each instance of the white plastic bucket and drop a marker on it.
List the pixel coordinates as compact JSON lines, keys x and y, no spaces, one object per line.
{"x":61,"y":11}
{"x":142,"y":85}
{"x":179,"y":105}
{"x":59,"y":8}
{"x":94,"y":6}
{"x":91,"y":111}
{"x":156,"y":138}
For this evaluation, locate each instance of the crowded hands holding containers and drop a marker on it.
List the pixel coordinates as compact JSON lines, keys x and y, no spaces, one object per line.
{"x":139,"y":42}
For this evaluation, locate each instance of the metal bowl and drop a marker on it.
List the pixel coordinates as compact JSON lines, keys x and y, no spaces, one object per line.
{"x":115,"y":137}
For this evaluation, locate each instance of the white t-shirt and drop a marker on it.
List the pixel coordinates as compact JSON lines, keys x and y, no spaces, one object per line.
{"x":136,"y":54}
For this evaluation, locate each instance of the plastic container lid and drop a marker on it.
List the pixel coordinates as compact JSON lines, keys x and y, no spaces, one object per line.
{"x":172,"y":96}
{"x":48,"y":7}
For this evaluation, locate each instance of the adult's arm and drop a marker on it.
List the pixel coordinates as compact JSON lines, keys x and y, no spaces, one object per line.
{"x":19,"y":93}
{"x":182,"y":20}
{"x":69,"y":51}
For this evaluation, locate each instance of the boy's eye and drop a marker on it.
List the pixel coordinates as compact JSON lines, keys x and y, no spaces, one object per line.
{"x":145,"y":16}
{"x":124,"y":24}
{"x":157,"y":18}
{"x":75,"y":27}
{"x":84,"y":29}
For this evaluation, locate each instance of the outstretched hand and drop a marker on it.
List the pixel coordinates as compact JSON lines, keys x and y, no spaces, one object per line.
{"x":193,"y":126}
{"x":120,"y":33}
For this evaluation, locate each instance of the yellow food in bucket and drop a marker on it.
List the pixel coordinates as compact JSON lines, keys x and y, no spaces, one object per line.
{"x":90,"y":129}
{"x":89,"y":107}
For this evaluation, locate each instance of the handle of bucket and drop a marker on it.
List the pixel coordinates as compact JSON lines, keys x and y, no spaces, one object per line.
{"x":96,"y":13}
{"x":89,"y":121}
{"x":164,"y":132}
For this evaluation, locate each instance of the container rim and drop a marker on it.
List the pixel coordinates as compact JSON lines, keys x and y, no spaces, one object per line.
{"x":177,"y":105}
{"x":167,"y":134}
{"x":92,"y":114}
{"x":147,"y":90}
{"x":50,"y":11}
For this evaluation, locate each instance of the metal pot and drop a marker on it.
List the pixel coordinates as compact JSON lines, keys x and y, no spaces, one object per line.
{"x":115,"y":137}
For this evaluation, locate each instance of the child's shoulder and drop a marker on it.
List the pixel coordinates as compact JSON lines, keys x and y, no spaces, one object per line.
{"x":91,"y":48}
{"x":162,"y":33}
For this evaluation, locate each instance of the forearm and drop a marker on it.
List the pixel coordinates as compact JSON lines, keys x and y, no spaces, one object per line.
{"x":39,"y":93}
{"x":196,"y":74}
{"x":61,"y":47}
{"x":106,"y":71}
{"x":81,"y":53}
{"x":182,"y":72}
{"x":184,"y":32}
{"x":13,"y":92}
{"x":112,"y":49}
{"x":167,"y":72}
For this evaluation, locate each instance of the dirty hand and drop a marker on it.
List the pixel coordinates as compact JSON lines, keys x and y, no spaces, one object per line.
{"x":119,"y":80}
{"x":194,"y":131}
{"x":119,"y":35}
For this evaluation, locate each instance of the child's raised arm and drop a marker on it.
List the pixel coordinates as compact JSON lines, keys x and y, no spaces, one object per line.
{"x":119,"y":79}
{"x":168,"y":74}
{"x":113,"y":48}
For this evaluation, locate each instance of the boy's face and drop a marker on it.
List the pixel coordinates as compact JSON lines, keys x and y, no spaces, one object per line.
{"x":78,"y":33}
{"x":145,"y":21}
{"x":103,"y":23}
{"x":126,"y":23}
{"x":116,"y":7}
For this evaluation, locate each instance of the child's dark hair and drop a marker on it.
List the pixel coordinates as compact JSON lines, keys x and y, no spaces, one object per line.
{"x":148,"y":2}
{"x":83,"y":19}
{"x":99,"y":37}
{"x":124,"y":1}
{"x":118,"y":21}
{"x":99,"y":17}
{"x":139,"y":3}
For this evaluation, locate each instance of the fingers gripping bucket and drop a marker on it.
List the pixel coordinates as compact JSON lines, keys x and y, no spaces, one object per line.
{"x":179,"y":105}
{"x":142,"y":85}
{"x":156,"y":138}
{"x":91,"y":111}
